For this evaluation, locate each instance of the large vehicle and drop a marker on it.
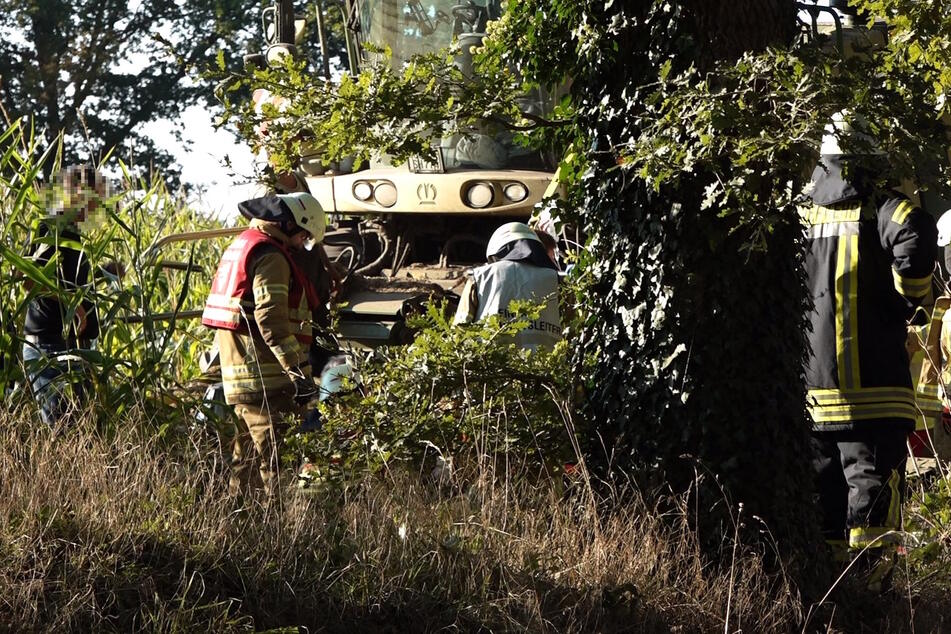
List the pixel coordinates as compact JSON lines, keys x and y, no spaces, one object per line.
{"x":430,"y":217}
{"x":405,"y":232}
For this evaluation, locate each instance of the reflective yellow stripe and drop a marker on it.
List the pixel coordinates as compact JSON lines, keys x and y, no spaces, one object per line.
{"x":251,"y":386}
{"x":239,"y":372}
{"x":223,"y":301}
{"x":222,"y":315}
{"x":846,"y":313}
{"x":841,"y":406}
{"x":271,"y":291}
{"x":854,"y":310}
{"x":872,"y":537}
{"x":823,"y":415}
{"x":927,"y":390}
{"x":832,"y":230}
{"x":912,"y":286}
{"x":861,"y":395}
{"x":818,"y":215}
{"x":901,"y":213}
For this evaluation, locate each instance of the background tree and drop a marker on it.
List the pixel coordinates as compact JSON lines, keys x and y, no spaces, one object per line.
{"x":96,"y":71}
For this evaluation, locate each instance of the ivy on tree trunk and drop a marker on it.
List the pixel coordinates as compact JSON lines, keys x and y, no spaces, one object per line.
{"x":698,"y":340}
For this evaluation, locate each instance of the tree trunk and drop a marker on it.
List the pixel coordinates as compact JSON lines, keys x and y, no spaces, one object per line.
{"x":46,"y":32}
{"x":699,"y":342}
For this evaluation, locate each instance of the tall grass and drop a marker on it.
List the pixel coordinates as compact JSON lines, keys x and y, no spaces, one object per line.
{"x":139,"y":360}
{"x":129,"y":534}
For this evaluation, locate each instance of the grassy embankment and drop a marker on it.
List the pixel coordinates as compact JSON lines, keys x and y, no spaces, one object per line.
{"x":133,"y":533}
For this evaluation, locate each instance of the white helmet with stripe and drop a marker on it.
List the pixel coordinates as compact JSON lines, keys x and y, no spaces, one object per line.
{"x":944,"y":229}
{"x":852,"y":128}
{"x":307,"y":212}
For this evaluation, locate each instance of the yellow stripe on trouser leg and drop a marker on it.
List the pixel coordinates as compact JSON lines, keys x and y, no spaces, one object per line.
{"x":861,"y":537}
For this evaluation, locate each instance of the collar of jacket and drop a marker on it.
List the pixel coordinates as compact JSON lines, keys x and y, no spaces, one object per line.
{"x":829,"y":186}
{"x":272,"y":229}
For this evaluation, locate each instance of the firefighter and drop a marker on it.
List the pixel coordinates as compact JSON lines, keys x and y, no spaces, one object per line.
{"x":54,"y":331}
{"x":869,"y":259}
{"x":929,"y":344}
{"x":519,"y":269}
{"x":261,"y":305}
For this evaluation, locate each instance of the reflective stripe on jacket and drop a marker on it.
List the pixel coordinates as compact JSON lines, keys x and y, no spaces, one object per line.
{"x":256,"y":361}
{"x":232,"y":299}
{"x":869,"y":263}
{"x":926,"y":364}
{"x":494,"y":286}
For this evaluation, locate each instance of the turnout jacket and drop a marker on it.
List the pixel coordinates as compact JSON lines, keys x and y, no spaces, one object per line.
{"x":260,"y":304}
{"x":869,"y":261}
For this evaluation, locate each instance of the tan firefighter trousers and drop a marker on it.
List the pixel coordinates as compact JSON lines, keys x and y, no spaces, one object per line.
{"x":256,"y":447}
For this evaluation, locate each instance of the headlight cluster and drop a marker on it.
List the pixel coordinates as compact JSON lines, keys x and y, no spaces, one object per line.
{"x":483,"y":194}
{"x":382,"y":192}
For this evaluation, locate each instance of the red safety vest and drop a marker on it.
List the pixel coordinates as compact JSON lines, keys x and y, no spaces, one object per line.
{"x":231,"y":284}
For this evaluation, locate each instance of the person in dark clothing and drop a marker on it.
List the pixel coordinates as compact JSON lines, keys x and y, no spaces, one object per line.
{"x":870,"y":255}
{"x":59,"y":323}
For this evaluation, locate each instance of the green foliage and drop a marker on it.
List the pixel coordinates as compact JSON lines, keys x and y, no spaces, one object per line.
{"x":96,"y":71}
{"x":458,"y":392}
{"x":399,"y":110}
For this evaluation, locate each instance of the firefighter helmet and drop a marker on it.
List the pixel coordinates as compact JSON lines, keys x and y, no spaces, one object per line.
{"x":853,"y":128}
{"x":307,"y":212}
{"x":509,"y":232}
{"x":944,"y":229}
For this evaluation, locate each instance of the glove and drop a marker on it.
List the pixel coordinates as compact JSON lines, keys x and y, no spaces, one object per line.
{"x":304,"y":388}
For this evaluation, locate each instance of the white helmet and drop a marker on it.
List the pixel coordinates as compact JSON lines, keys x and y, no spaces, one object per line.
{"x":509,"y":232}
{"x":307,"y":212}
{"x":944,"y":229}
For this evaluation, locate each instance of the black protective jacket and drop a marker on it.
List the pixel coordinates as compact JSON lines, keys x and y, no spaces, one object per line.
{"x":869,"y":261}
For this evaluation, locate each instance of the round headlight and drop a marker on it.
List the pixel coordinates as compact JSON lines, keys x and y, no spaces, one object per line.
{"x":515,"y":192}
{"x":362,"y":191}
{"x":479,"y":196}
{"x":385,"y":194}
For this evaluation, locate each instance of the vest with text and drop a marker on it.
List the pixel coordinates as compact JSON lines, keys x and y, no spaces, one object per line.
{"x":500,"y":283}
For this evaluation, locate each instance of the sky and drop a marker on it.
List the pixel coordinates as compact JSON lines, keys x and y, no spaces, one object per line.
{"x":203,"y":162}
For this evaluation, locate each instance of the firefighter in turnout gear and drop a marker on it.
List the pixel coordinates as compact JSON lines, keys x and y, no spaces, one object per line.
{"x":519,"y":268}
{"x":929,"y":343}
{"x":870,"y":255}
{"x":261,"y":304}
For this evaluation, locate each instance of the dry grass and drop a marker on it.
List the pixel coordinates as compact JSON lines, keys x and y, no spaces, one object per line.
{"x":133,"y":534}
